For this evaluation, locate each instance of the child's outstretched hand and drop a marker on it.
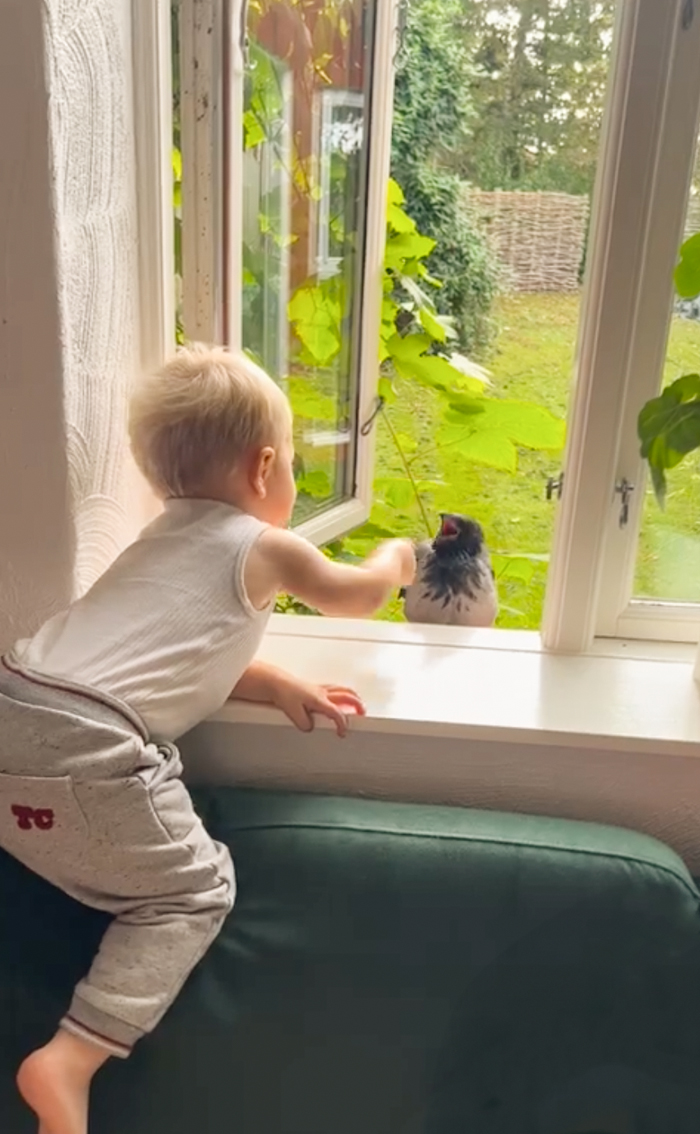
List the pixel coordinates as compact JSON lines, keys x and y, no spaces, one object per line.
{"x":301,"y":702}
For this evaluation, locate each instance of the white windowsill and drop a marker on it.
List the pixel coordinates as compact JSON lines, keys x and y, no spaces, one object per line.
{"x":494,"y":685}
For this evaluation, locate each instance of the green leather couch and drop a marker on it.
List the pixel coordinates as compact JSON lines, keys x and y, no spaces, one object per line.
{"x":393,"y":969}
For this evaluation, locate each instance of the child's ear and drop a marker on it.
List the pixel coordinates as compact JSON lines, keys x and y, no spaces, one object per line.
{"x":261,"y":470}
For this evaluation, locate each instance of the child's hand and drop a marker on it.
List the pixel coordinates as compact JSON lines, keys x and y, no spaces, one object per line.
{"x":301,"y":702}
{"x":401,"y":554}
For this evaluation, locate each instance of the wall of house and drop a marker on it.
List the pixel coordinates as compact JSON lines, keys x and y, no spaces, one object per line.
{"x":68,"y":299}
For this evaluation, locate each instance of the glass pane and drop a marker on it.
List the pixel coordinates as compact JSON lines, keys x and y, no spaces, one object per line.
{"x":304,"y":180}
{"x":668,"y":556}
{"x":497,"y":117}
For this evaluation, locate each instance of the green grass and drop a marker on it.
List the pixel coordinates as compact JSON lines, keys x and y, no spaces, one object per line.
{"x":532,"y":361}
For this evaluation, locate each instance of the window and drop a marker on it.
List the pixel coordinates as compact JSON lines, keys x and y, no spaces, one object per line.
{"x":284,"y":175}
{"x":282,"y":124}
{"x":642,"y":196}
{"x":667,"y":565}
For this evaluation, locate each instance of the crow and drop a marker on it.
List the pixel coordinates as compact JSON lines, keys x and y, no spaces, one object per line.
{"x":454,"y":583}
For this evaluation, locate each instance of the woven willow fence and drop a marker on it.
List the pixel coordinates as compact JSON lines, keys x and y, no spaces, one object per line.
{"x":538,"y":238}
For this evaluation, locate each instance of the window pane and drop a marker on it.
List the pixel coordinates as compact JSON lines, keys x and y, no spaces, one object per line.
{"x":498,"y":110}
{"x":304,"y":178}
{"x":668,"y":556}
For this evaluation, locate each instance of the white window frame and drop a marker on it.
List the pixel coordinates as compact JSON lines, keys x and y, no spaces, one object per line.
{"x":212,"y":227}
{"x":326,"y":102}
{"x":639,"y":204}
{"x":153,"y":116}
{"x":620,"y":614}
{"x":647,"y":150}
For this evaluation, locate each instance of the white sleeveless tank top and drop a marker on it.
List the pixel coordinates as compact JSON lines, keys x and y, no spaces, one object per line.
{"x":169,"y":628}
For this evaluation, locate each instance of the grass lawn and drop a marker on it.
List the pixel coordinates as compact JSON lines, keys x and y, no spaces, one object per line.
{"x":532,"y":361}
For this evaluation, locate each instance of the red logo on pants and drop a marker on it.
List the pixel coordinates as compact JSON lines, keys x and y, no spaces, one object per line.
{"x":41,"y":819}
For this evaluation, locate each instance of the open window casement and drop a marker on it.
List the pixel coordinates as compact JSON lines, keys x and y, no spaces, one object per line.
{"x":285,"y":130}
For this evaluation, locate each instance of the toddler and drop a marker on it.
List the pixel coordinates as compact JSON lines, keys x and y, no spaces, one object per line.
{"x":91,"y":796}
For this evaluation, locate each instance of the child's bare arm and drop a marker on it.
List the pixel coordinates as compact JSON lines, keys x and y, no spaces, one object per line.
{"x":282,"y":561}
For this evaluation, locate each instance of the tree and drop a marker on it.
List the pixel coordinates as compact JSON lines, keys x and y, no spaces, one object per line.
{"x":433,"y":118}
{"x":538,"y":92}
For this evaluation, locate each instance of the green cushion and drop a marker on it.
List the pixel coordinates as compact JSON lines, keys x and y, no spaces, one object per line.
{"x":395,"y":969}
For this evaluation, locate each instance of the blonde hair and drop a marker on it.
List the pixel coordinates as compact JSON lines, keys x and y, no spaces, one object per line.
{"x":203,"y":411}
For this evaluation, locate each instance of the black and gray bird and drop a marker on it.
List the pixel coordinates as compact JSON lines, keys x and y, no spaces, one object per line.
{"x":454,"y":583}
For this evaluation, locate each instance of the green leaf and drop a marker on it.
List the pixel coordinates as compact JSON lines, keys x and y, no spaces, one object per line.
{"x":460,"y":410}
{"x":411,"y":361}
{"x":419,"y":297}
{"x":397,"y":492}
{"x":687,"y":274}
{"x":253,"y":130}
{"x":398,"y":220}
{"x":309,"y":403}
{"x":316,"y":483}
{"x":525,"y":424}
{"x":470,"y":369}
{"x":489,"y":447}
{"x":316,"y":317}
{"x":491,"y":437}
{"x":513,"y":567}
{"x":431,"y":486}
{"x":395,"y":195}
{"x":431,"y":323}
{"x":408,"y":443}
{"x":386,"y":390}
{"x":372,"y":531}
{"x":177,"y":164}
{"x":404,"y":247}
{"x":669,"y":428}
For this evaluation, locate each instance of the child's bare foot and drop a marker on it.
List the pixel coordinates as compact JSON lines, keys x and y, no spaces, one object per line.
{"x":55,"y":1082}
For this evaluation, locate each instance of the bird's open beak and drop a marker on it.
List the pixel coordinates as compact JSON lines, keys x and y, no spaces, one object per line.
{"x":448,"y":527}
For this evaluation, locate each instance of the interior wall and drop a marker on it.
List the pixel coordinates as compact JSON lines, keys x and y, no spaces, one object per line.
{"x":88,"y":48}
{"x":36,"y":536}
{"x":653,"y":793}
{"x":68,"y":299}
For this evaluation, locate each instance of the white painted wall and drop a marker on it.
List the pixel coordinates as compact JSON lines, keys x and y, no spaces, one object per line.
{"x":68,"y":299}
{"x":653,"y":793}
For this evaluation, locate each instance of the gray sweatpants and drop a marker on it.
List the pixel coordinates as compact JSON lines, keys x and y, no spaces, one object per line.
{"x":89,"y":804}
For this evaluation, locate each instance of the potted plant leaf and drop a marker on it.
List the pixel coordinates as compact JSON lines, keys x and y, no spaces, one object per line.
{"x":669,"y":425}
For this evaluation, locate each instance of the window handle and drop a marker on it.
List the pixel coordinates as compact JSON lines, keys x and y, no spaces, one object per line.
{"x":624,"y":490}
{"x":555,"y":487}
{"x":688,"y":14}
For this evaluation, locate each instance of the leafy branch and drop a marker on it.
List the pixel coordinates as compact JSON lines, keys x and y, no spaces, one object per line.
{"x":669,"y":426}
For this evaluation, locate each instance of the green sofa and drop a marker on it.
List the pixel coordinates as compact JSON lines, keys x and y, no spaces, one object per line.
{"x":396,"y":969}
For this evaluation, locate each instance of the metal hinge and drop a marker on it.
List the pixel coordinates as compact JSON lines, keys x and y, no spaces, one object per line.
{"x":688,"y":14}
{"x":624,"y":490}
{"x":555,"y":486}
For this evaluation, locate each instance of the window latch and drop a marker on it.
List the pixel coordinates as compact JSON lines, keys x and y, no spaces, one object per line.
{"x":555,"y":487}
{"x":624,"y":490}
{"x":380,"y":402}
